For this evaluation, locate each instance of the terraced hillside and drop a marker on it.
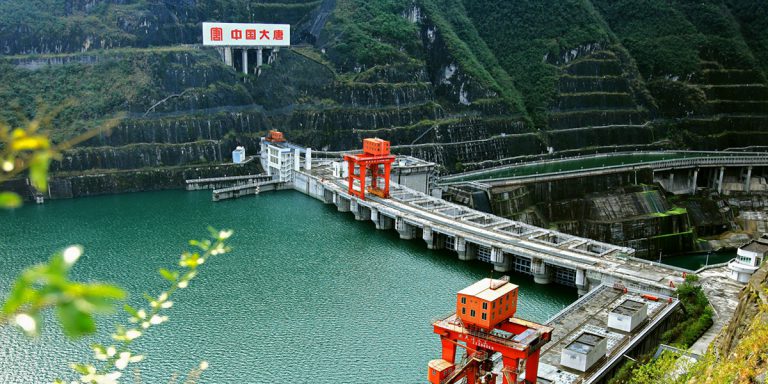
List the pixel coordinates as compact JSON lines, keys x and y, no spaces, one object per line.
{"x":466,"y":84}
{"x":699,"y":66}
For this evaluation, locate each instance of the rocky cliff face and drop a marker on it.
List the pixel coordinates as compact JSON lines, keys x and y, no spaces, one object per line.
{"x":752,"y":308}
{"x":738,"y":353}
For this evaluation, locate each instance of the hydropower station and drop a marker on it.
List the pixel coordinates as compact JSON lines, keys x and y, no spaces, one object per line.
{"x":624,"y":300}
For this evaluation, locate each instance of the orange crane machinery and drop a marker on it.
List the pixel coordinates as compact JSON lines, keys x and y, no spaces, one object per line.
{"x":484,"y":324}
{"x":376,"y":159}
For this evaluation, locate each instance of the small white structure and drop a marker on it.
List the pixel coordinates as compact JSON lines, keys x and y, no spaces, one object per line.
{"x":748,"y":259}
{"x":584,"y":352}
{"x":340,"y":169}
{"x":628,"y":315}
{"x":238,"y":155}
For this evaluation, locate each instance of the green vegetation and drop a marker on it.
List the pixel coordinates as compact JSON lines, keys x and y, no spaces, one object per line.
{"x":677,"y":99}
{"x":672,"y":211}
{"x":674,"y":42}
{"x":369,"y":33}
{"x":753,"y":22}
{"x":106,"y":83}
{"x":54,"y":26}
{"x":495,"y":66}
{"x":659,"y":36}
{"x":698,"y":315}
{"x":528,"y":38}
{"x":473,"y":55}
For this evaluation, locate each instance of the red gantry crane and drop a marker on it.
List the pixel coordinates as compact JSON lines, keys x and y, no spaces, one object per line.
{"x":376,"y":159}
{"x":484,"y":324}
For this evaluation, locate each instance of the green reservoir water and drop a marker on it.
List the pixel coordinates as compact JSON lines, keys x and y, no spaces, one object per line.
{"x":309,"y":295}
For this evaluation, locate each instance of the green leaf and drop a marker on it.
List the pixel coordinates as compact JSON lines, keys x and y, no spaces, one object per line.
{"x":9,"y":200}
{"x":214,"y":233}
{"x":38,"y":170}
{"x":21,"y":294}
{"x":74,"y":322}
{"x":106,"y":291}
{"x":131,"y":310}
{"x":168,"y":275}
{"x":102,"y":296}
{"x":98,"y":348}
{"x":80,"y":368}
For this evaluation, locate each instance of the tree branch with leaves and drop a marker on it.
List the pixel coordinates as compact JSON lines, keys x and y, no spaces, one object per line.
{"x":47,"y":286}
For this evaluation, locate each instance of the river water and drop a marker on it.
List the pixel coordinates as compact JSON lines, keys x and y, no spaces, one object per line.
{"x":308,"y":295}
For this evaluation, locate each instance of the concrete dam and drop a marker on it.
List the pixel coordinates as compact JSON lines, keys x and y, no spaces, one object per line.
{"x":549,"y":256}
{"x":508,"y":245}
{"x":611,"y":282}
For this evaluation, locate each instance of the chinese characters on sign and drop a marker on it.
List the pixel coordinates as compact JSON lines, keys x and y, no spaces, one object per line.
{"x":246,"y":35}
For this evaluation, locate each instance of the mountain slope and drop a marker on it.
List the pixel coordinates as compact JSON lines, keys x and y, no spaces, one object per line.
{"x":464,"y":83}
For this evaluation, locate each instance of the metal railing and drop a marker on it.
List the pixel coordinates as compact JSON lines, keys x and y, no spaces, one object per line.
{"x":244,"y":186}
{"x":226,"y":178}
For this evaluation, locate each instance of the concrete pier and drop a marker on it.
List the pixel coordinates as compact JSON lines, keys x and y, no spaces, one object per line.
{"x":404,"y":229}
{"x":460,"y":245}
{"x":428,"y":237}
{"x":342,"y":204}
{"x":381,"y":221}
{"x":361,"y":212}
{"x":228,"y":56}
{"x":720,"y":180}
{"x":245,"y":61}
{"x":695,"y":181}
{"x":501,"y":262}
{"x":582,"y":283}
{"x":540,"y":271}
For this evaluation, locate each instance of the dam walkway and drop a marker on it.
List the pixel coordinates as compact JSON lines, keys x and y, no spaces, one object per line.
{"x":604,"y":164}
